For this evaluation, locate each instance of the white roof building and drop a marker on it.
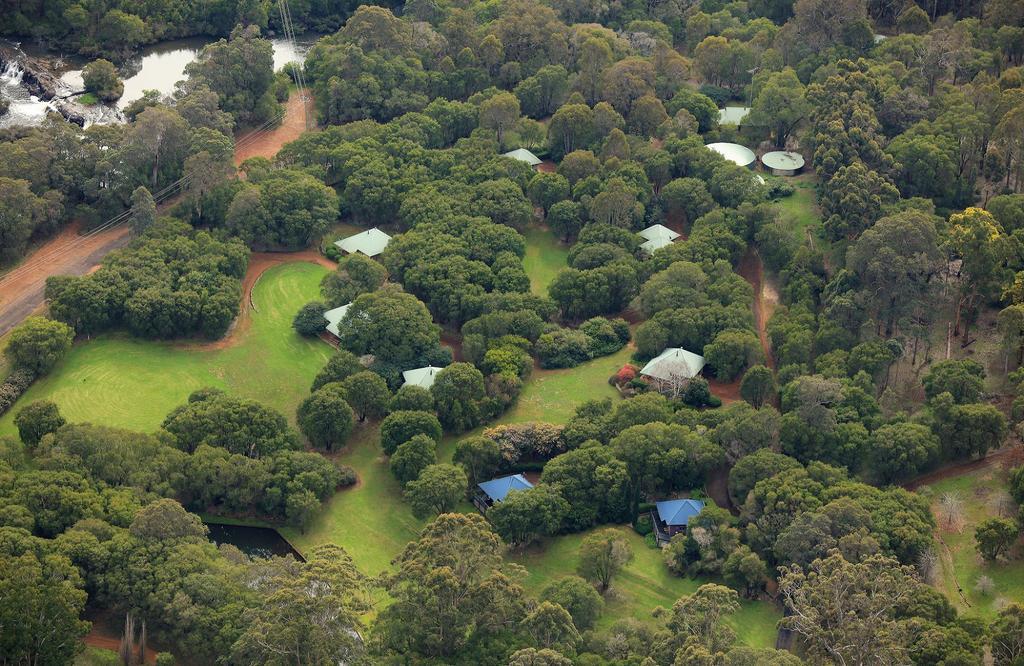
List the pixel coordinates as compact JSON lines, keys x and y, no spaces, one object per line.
{"x":422,"y":377}
{"x":674,"y":363}
{"x":523,"y":155}
{"x":659,"y":231}
{"x":658,"y":236}
{"x":334,"y":318}
{"x":734,"y":152}
{"x":650,"y":246}
{"x":370,"y":242}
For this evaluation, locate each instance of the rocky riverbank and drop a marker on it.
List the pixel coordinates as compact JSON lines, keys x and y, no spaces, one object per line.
{"x":39,"y":78}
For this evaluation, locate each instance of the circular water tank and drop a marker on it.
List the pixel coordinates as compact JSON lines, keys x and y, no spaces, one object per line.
{"x":783,"y":163}
{"x":734,"y":152}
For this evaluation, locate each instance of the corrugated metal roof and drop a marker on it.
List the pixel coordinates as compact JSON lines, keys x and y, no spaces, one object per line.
{"x":679,"y":511}
{"x":422,"y":377}
{"x":674,"y":362}
{"x":334,"y":317}
{"x":498,"y":489}
{"x":523,"y":155}
{"x":370,"y":242}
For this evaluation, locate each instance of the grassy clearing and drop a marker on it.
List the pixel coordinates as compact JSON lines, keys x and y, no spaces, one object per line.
{"x":961,"y":565}
{"x":545,"y":256}
{"x":801,"y":208}
{"x":369,"y":520}
{"x":94,"y":656}
{"x":643,"y":585}
{"x":120,"y":381}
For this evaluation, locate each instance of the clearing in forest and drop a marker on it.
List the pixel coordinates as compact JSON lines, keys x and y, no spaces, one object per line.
{"x":118,"y":380}
{"x":960,"y":503}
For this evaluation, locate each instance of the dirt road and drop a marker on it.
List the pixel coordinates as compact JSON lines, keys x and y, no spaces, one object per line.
{"x":267,"y":144}
{"x":1008,"y":456}
{"x":21,"y":288}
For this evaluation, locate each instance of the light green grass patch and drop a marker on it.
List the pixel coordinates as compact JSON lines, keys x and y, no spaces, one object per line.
{"x":121,"y":381}
{"x":801,"y":208}
{"x":643,"y":585}
{"x":370,"y":520}
{"x":545,"y":256}
{"x":94,"y":656}
{"x":960,"y":562}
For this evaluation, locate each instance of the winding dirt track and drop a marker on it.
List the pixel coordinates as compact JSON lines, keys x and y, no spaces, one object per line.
{"x":21,"y":290}
{"x":259,"y":262}
{"x":752,"y":270}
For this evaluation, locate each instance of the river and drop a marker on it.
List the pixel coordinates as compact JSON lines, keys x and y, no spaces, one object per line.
{"x":156,"y":67}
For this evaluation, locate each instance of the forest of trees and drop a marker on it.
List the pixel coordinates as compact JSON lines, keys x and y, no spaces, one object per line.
{"x":911,"y":118}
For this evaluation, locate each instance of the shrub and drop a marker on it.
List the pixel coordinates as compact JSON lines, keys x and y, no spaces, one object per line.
{"x":698,"y":394}
{"x":12,"y":388}
{"x":527,"y":441}
{"x":399,"y":427}
{"x":643,"y":525}
{"x":732,"y":352}
{"x":37,"y":419}
{"x":563,"y":348}
{"x":310,"y":319}
{"x":626,"y":374}
{"x":413,"y":457}
{"x":412,"y":398}
{"x":325,"y":417}
{"x":38,"y":344}
{"x":605,"y":336}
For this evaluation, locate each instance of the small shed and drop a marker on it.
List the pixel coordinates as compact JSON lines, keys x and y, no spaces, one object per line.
{"x":671,"y":517}
{"x":370,"y":242}
{"x":496,"y":490}
{"x":422,"y":377}
{"x":733,"y":115}
{"x":783,"y":162}
{"x":523,"y":155}
{"x":657,"y":236}
{"x":735,"y":153}
{"x":673,"y":364}
{"x":334,"y":318}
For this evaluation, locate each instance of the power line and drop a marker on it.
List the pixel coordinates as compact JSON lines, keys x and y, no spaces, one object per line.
{"x":298,"y":65}
{"x":122,"y":217}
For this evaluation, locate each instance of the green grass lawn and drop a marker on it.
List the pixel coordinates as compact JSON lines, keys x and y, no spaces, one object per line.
{"x":801,"y":208}
{"x":643,"y":585}
{"x":960,"y":562}
{"x":801,"y":211}
{"x":545,"y":256}
{"x":94,"y":656}
{"x":117,"y":380}
{"x":369,"y":520}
